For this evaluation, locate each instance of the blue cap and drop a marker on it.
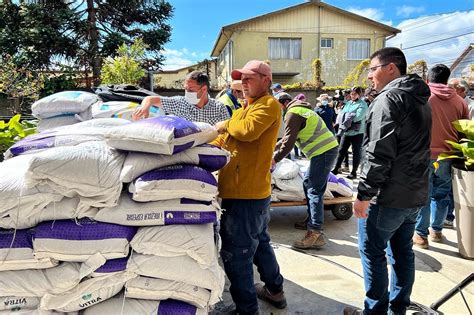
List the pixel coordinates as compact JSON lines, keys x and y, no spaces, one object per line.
{"x":276,"y":86}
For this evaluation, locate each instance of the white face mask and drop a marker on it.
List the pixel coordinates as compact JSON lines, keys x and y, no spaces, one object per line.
{"x":191,"y":97}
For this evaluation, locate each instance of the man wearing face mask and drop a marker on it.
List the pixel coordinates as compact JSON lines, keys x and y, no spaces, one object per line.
{"x":195,"y":105}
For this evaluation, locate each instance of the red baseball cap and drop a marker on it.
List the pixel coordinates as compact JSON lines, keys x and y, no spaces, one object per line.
{"x":253,"y":67}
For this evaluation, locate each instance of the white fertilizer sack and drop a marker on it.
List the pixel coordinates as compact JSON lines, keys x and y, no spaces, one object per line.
{"x":16,"y":198}
{"x":159,"y":289}
{"x":195,"y":241}
{"x":89,"y":170}
{"x":54,"y":122}
{"x":14,"y":304}
{"x":163,"y":134}
{"x":16,"y":252}
{"x":207,"y":156}
{"x":66,"y":208}
{"x":63,"y":103}
{"x":176,"y":181}
{"x":78,"y":240}
{"x":171,"y":268}
{"x":87,"y":293}
{"x":286,"y":169}
{"x":166,"y":212}
{"x":120,"y":305}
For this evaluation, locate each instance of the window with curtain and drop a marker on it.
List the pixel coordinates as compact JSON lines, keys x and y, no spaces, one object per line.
{"x":326,"y":43}
{"x":284,"y":48}
{"x":358,"y":49}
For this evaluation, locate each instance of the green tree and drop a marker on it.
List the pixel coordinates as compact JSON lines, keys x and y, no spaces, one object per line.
{"x":126,"y":66}
{"x":419,"y":67}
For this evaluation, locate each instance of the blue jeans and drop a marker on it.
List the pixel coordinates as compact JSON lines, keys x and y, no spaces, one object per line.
{"x":440,"y":189}
{"x":314,"y":184}
{"x":387,"y":232}
{"x":245,"y":241}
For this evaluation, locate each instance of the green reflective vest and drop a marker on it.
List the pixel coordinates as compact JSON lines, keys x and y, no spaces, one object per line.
{"x":315,"y":138}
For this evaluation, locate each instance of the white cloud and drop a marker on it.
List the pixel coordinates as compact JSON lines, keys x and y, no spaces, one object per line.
{"x":176,"y":59}
{"x":406,"y":10}
{"x":423,"y":30}
{"x":370,"y":13}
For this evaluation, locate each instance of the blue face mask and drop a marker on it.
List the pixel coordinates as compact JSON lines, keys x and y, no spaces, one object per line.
{"x":324,"y":103}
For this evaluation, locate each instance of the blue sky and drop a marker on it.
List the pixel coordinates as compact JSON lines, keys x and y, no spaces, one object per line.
{"x":196,"y":25}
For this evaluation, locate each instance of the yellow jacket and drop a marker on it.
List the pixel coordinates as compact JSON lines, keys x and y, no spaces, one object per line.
{"x":250,"y":137}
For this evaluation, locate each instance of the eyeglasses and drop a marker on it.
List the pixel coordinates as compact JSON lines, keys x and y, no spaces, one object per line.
{"x":372,"y":69}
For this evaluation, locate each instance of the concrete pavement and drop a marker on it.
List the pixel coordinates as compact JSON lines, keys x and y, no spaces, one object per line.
{"x":325,"y":281}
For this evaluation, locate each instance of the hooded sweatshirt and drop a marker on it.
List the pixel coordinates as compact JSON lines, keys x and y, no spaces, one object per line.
{"x":446,"y":107}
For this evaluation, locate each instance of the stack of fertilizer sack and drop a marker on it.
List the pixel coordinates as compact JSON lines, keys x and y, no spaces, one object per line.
{"x":70,"y":107}
{"x":287,"y":182}
{"x":66,"y":226}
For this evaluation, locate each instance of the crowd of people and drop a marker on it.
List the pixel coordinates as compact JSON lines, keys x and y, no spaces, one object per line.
{"x":397,"y":127}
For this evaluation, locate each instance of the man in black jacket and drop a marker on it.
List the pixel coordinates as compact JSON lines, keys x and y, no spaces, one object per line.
{"x":394,"y":181}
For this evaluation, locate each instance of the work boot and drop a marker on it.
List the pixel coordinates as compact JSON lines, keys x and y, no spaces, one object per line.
{"x":278,"y":300}
{"x":420,"y":241}
{"x":312,"y":239}
{"x":448,"y":224}
{"x":435,"y":236}
{"x":349,"y":310}
{"x":336,"y":170}
{"x":352,"y":176}
{"x":302,"y":225}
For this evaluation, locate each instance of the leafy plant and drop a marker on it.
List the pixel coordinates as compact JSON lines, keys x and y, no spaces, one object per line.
{"x":353,"y":77}
{"x":17,"y":81}
{"x":125,"y":68}
{"x":14,"y":130}
{"x":62,"y":81}
{"x":464,"y":150}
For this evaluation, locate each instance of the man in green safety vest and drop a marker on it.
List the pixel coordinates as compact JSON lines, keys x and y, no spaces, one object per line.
{"x":308,"y":130}
{"x":233,"y":98}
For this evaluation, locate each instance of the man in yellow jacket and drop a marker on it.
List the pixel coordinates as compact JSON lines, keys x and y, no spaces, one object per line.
{"x":245,"y":188}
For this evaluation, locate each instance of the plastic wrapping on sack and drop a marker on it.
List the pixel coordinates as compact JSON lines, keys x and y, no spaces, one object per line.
{"x":66,"y":208}
{"x":111,"y":266}
{"x":166,"y":212}
{"x":89,"y":170}
{"x":171,"y":268}
{"x":163,"y":135}
{"x":64,"y":136}
{"x":120,"y":109}
{"x":175,"y":181}
{"x":207,"y":156}
{"x":71,"y":240}
{"x":194,"y":241}
{"x":286,"y":169}
{"x":16,"y":252}
{"x":17,"y":200}
{"x":120,"y":305}
{"x":63,"y":103}
{"x":87,"y":293}
{"x":160,"y":289}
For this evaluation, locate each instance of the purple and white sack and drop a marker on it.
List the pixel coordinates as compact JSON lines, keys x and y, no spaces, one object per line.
{"x":111,"y":266}
{"x":163,"y":135}
{"x":90,"y":170}
{"x":159,"y":289}
{"x":207,"y":156}
{"x":17,"y":200}
{"x":340,"y":185}
{"x":194,"y":241}
{"x":63,"y":103}
{"x":16,"y":251}
{"x":89,"y":292}
{"x":171,"y":268}
{"x":166,"y":212}
{"x":121,"y":305}
{"x":78,"y":240}
{"x":175,"y":181}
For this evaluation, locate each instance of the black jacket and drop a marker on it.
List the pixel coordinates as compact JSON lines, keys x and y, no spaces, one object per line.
{"x":397,"y":145}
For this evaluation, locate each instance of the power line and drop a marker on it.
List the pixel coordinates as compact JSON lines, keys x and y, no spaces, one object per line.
{"x":437,"y":41}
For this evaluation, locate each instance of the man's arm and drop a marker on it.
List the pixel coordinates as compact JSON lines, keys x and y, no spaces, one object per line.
{"x":381,"y":149}
{"x":294,"y":123}
{"x":144,"y":110}
{"x":258,"y":119}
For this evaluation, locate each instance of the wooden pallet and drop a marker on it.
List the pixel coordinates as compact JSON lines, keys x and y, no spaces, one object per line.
{"x":335,"y":201}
